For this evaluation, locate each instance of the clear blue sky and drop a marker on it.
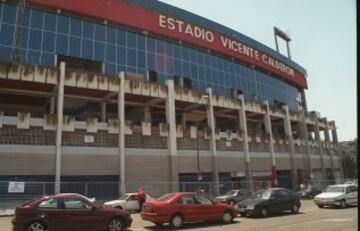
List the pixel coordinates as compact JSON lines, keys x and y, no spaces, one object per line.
{"x":323,"y":34}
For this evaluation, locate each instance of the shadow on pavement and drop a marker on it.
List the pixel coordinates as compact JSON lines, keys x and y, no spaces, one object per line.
{"x":190,"y":226}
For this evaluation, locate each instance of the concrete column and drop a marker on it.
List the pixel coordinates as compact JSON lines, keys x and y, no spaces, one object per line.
{"x":243,"y":128}
{"x":305,"y":137}
{"x":317,"y":139}
{"x":268,"y":131}
{"x":121,"y":143}
{"x":211,"y":125}
{"x":336,"y":144}
{"x":60,"y":106}
{"x":52,"y":105}
{"x":289,"y":137}
{"x":172,"y":144}
{"x":103,"y":112}
{"x":327,"y":145}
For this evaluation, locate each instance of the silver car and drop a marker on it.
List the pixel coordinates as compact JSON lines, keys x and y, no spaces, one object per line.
{"x":340,"y":195}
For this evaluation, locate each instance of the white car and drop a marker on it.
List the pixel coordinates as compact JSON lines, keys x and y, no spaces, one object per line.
{"x":339,"y":195}
{"x":128,"y":202}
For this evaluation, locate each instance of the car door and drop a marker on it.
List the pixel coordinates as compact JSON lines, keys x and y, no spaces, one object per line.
{"x":132,"y":203}
{"x":52,"y":213}
{"x":189,"y":208}
{"x":82,"y":215}
{"x":352,"y":197}
{"x":207,"y":209}
{"x":287,"y":198}
{"x":275,"y":202}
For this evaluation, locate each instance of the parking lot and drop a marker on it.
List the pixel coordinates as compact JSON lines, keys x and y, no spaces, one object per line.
{"x":309,"y":218}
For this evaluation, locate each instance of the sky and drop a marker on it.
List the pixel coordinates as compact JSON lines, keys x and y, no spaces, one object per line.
{"x":323,"y":41}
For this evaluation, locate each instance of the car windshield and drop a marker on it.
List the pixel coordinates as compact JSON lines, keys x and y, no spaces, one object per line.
{"x":262,"y":194}
{"x":165,"y":197}
{"x":230,"y":193}
{"x":335,"y":189}
{"x":124,"y":197}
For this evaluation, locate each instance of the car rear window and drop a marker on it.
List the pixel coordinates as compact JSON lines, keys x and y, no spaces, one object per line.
{"x":166,"y":197}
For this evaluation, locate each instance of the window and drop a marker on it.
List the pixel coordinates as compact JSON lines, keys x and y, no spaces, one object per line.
{"x":81,"y":64}
{"x":132,"y":198}
{"x":186,"y":200}
{"x":49,"y":204}
{"x":73,"y":203}
{"x":203,"y":200}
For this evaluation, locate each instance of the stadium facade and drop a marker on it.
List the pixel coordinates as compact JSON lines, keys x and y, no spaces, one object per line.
{"x":139,"y":92}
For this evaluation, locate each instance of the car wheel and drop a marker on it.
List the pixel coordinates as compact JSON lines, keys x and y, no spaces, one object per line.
{"x":227,"y":217}
{"x":231,"y":202}
{"x":176,"y":221}
{"x":36,"y":226}
{"x":116,"y":224}
{"x":295,"y":208}
{"x":243,"y":214}
{"x":342,"y":204}
{"x":264,"y":212}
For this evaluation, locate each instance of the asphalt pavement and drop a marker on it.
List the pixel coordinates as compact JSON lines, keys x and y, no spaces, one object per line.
{"x":309,"y":218}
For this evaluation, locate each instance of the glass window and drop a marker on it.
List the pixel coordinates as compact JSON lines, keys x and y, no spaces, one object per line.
{"x":111,"y":53}
{"x":131,"y":40}
{"x":121,"y":55}
{"x":100,"y":32}
{"x":186,"y":200}
{"x":168,"y":49}
{"x":75,"y":27}
{"x":140,"y":59}
{"x":34,"y":57}
{"x":151,"y":45}
{"x":99,"y":51}
{"x":110,"y":69}
{"x":47,"y":59}
{"x":73,"y":203}
{"x":35,"y":40}
{"x":49,"y":41}
{"x":140,"y":42}
{"x":62,"y":44}
{"x":50,"y":21}
{"x":7,"y":35}
{"x":75,"y":47}
{"x":160,"y":47}
{"x":131,"y":57}
{"x":5,"y":52}
{"x":24,"y":37}
{"x":63,"y":24}
{"x":49,"y":204}
{"x":121,"y":37}
{"x":87,"y":49}
{"x":9,"y":14}
{"x":26,"y":20}
{"x":111,"y":35}
{"x":88,"y":30}
{"x":37,"y":19}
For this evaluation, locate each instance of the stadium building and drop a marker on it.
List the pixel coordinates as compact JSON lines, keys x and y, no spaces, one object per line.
{"x":103,"y":96}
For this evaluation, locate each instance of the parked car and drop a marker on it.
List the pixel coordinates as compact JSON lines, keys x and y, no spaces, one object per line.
{"x":233,"y":196}
{"x":128,"y":202}
{"x":266,"y":202}
{"x":68,"y":212}
{"x":181,"y":207}
{"x":339,"y":195}
{"x":310,"y":192}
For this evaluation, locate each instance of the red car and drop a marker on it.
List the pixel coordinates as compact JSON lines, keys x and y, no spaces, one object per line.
{"x":180,"y":207}
{"x":66,"y":212}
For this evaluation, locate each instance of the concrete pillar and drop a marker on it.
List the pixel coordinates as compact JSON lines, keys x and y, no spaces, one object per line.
{"x":305,"y":137}
{"x":52,"y":105}
{"x":172,"y":144}
{"x":289,"y":137}
{"x":243,"y":128}
{"x":317,"y":139}
{"x":337,"y":151}
{"x":103,"y":112}
{"x":60,"y":107}
{"x":269,"y":134}
{"x":327,"y":146}
{"x":211,"y":125}
{"x":121,"y":143}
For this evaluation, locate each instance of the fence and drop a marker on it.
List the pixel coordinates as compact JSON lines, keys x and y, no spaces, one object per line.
{"x":18,"y":191}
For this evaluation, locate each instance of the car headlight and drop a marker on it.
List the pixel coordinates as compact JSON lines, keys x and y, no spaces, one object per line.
{"x":251,"y":207}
